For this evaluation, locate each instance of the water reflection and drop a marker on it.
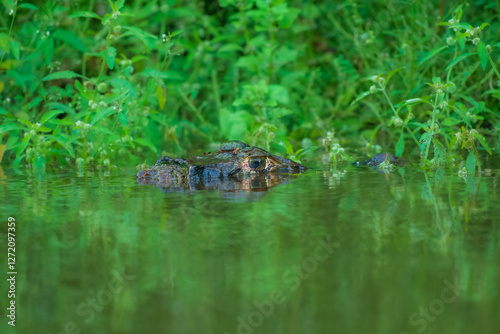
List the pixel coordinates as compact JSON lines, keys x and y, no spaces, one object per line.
{"x":400,"y":239}
{"x":249,"y":187}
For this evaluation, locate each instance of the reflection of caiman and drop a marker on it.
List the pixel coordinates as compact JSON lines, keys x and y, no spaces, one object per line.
{"x":235,"y":166}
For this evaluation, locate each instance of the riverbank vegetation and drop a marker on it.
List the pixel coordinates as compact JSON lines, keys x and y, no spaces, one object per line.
{"x":98,"y":83}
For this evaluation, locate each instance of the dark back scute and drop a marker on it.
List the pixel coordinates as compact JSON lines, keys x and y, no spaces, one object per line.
{"x":232,"y":145}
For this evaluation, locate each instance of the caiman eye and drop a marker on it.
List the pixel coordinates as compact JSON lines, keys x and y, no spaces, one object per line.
{"x":254,"y":163}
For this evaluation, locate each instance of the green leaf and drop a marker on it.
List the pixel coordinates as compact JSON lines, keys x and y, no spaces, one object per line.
{"x":49,"y":114}
{"x":119,"y":4}
{"x":64,"y":121}
{"x":109,"y":55}
{"x":24,"y":143}
{"x":471,"y":163}
{"x":424,"y":141}
{"x":363,"y":95}
{"x":10,"y":127}
{"x":18,"y":78}
{"x":459,"y":59}
{"x":452,"y":143}
{"x":147,"y":38}
{"x":103,"y":114}
{"x":411,"y":102}
{"x":48,"y":50}
{"x":65,"y":143}
{"x":394,"y":71}
{"x":484,"y":25}
{"x":400,"y":145}
{"x":28,"y":6}
{"x":36,"y":101}
{"x":177,"y":32}
{"x":279,"y":93}
{"x":15,"y":48}
{"x":483,"y":141}
{"x":461,"y":110}
{"x":39,"y":161}
{"x":483,"y":54}
{"x":161,"y":94}
{"x":123,"y":118}
{"x":85,"y":14}
{"x":145,"y":142}
{"x":289,"y":147}
{"x":62,"y":75}
{"x":231,"y":47}
{"x":25,"y":122}
{"x":432,"y":54}
{"x":18,"y":159}
{"x":247,"y":62}
{"x":69,"y":38}
{"x":102,"y":129}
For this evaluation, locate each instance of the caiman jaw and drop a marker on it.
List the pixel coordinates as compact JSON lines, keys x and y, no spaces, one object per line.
{"x":270,"y":164}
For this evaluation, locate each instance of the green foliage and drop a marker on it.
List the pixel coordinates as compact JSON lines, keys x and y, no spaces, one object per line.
{"x":102,"y":82}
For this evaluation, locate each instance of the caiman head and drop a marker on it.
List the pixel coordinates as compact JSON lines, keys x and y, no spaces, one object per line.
{"x":238,"y":158}
{"x":233,"y":158}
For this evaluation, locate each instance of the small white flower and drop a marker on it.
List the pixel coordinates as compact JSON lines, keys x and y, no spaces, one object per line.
{"x":398,"y":122}
{"x":453,"y":21}
{"x":87,"y":126}
{"x":7,"y":100}
{"x":451,"y":41}
{"x":79,"y":123}
{"x":372,"y":88}
{"x":11,"y":12}
{"x":106,"y":162}
{"x":476,"y":41}
{"x":47,"y":33}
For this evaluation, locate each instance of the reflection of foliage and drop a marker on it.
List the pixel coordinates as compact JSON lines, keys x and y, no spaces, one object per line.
{"x":393,"y":231}
{"x":336,"y":152}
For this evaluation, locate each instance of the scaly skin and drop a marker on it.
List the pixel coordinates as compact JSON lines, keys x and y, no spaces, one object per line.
{"x":233,"y":159}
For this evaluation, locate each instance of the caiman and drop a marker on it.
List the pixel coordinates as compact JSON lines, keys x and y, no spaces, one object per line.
{"x":234,"y":161}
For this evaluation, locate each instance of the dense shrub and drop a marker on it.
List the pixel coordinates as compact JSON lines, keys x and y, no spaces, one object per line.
{"x":95,"y":82}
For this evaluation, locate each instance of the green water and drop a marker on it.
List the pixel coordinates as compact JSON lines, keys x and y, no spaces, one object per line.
{"x":326,"y":252}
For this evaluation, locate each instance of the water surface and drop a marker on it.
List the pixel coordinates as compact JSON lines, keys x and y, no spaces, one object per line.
{"x":348,"y":250}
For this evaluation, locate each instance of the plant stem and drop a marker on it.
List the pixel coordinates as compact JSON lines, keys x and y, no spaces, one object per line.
{"x":493,"y":65}
{"x":431,"y":131}
{"x":396,"y":115}
{"x":10,"y":29}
